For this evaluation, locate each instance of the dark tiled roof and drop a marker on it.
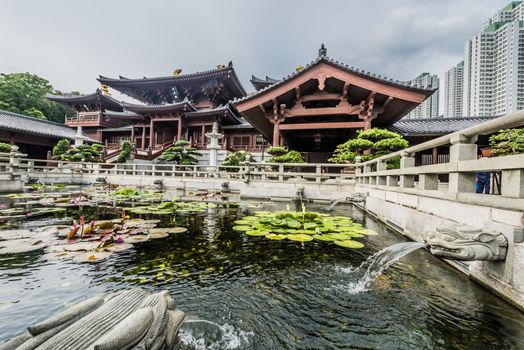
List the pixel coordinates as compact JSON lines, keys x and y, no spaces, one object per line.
{"x":339,"y":65}
{"x":244,"y":124}
{"x":121,"y":128}
{"x":123,"y":115}
{"x":168,"y":107}
{"x":262,"y":83}
{"x":94,"y":98}
{"x":28,"y":125}
{"x":222,"y":71}
{"x":435,"y":126}
{"x":221,"y":111}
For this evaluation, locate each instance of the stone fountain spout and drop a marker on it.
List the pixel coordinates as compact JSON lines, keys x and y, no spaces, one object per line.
{"x":467,"y":243}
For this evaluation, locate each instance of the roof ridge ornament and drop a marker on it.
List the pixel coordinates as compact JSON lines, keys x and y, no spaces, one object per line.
{"x":322,"y":52}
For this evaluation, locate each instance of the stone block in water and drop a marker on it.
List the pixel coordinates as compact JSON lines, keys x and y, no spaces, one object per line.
{"x":130,"y":319}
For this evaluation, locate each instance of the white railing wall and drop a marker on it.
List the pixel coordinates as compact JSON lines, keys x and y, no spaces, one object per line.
{"x":454,"y":179}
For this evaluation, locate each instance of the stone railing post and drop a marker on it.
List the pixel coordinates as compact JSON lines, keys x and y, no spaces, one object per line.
{"x":14,"y":160}
{"x":358,"y":170}
{"x":318,"y":173}
{"x":513,"y":183}
{"x":280,"y":173}
{"x":428,"y":182}
{"x":381,"y":166}
{"x":462,"y":148}
{"x":407,"y":160}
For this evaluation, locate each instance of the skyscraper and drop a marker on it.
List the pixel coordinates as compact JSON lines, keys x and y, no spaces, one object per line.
{"x":453,"y":83}
{"x":494,"y":65}
{"x":428,"y":108}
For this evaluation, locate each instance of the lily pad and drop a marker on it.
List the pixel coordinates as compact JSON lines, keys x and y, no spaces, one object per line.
{"x":256,"y":233}
{"x":119,"y":247}
{"x":349,"y":244}
{"x":300,"y":237}
{"x":138,"y":238}
{"x":325,"y":238}
{"x":242,"y":228}
{"x":91,"y":257}
{"x":79,"y":246}
{"x":275,"y":236}
{"x":158,"y":235}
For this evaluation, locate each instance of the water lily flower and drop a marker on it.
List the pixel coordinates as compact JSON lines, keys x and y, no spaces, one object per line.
{"x":29,"y":214}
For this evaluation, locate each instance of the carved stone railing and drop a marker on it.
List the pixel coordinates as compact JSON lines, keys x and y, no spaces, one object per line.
{"x":266,"y":172}
{"x":456,"y":179}
{"x":85,"y":118}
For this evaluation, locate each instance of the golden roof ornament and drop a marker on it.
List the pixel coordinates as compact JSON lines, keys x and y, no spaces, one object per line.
{"x":220,"y":66}
{"x":177,"y":72}
{"x":299,"y":68}
{"x":105,"y":90}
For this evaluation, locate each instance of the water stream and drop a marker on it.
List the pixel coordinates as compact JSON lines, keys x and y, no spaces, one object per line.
{"x":373,"y":266}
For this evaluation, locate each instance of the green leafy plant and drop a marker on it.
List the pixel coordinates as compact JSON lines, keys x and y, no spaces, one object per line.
{"x":125,"y":152}
{"x":61,"y":147}
{"x":507,"y":141}
{"x":5,"y":147}
{"x":283,"y":155}
{"x":303,"y":227}
{"x":181,"y":153}
{"x":377,"y":142}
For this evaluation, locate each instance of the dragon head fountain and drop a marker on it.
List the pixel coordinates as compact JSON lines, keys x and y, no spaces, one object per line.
{"x":467,"y":243}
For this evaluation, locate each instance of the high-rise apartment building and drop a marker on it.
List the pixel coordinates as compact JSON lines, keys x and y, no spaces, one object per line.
{"x":493,"y":82}
{"x":428,"y":108}
{"x":453,"y":83}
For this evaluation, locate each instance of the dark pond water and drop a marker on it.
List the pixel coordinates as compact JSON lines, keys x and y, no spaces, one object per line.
{"x":276,"y":294}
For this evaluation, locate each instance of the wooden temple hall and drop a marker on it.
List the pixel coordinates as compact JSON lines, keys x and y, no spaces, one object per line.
{"x":311,"y":110}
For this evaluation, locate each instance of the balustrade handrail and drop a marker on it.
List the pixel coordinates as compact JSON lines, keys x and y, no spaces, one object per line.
{"x":488,"y":127}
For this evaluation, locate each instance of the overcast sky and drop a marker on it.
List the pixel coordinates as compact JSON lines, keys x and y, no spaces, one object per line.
{"x":71,"y":42}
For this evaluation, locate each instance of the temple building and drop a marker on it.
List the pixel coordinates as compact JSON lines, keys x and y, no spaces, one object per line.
{"x":312,"y":110}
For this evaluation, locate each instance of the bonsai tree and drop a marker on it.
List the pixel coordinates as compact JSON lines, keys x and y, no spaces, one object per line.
{"x":181,"y":153}
{"x":5,"y":147}
{"x":83,"y":153}
{"x":125,"y":152}
{"x":283,"y":155}
{"x":236,"y":159}
{"x":377,"y":142}
{"x":508,"y":141}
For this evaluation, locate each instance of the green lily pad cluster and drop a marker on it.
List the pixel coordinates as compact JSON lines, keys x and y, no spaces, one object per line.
{"x":304,"y":227}
{"x":167,"y":208}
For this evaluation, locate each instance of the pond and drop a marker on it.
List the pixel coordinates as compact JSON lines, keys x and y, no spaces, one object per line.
{"x":268,"y":294}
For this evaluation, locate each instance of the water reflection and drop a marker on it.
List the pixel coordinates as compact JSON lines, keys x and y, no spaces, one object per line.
{"x":274,"y":294}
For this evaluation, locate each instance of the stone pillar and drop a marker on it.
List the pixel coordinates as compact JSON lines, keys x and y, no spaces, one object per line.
{"x":133,"y":135}
{"x":204,"y":134}
{"x":462,"y":148}
{"x":213,"y":145}
{"x":513,"y":183}
{"x":407,"y":161}
{"x":79,"y":138}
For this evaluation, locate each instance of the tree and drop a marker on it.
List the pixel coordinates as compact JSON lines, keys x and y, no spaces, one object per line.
{"x":283,"y":155}
{"x":181,"y":153}
{"x":377,"y":142}
{"x":24,"y":93}
{"x":84,"y":153}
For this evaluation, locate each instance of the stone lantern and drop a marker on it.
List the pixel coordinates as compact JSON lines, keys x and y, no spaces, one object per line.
{"x":213,"y":145}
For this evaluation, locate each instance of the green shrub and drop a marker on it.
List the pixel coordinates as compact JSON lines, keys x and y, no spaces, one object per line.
{"x":125,"y":152}
{"x":61,"y":147}
{"x":236,"y":159}
{"x":277,"y":151}
{"x":181,"y":154}
{"x":379,"y":142}
{"x":289,"y":157}
{"x":506,"y":142}
{"x":5,"y":147}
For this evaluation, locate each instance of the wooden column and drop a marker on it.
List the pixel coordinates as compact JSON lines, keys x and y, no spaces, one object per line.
{"x":276,"y":133}
{"x":434,"y":156}
{"x":151,"y":134}
{"x":179,"y":133}
{"x":367,"y":123}
{"x":143,"y":136}
{"x":203,"y":135}
{"x":133,"y":135}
